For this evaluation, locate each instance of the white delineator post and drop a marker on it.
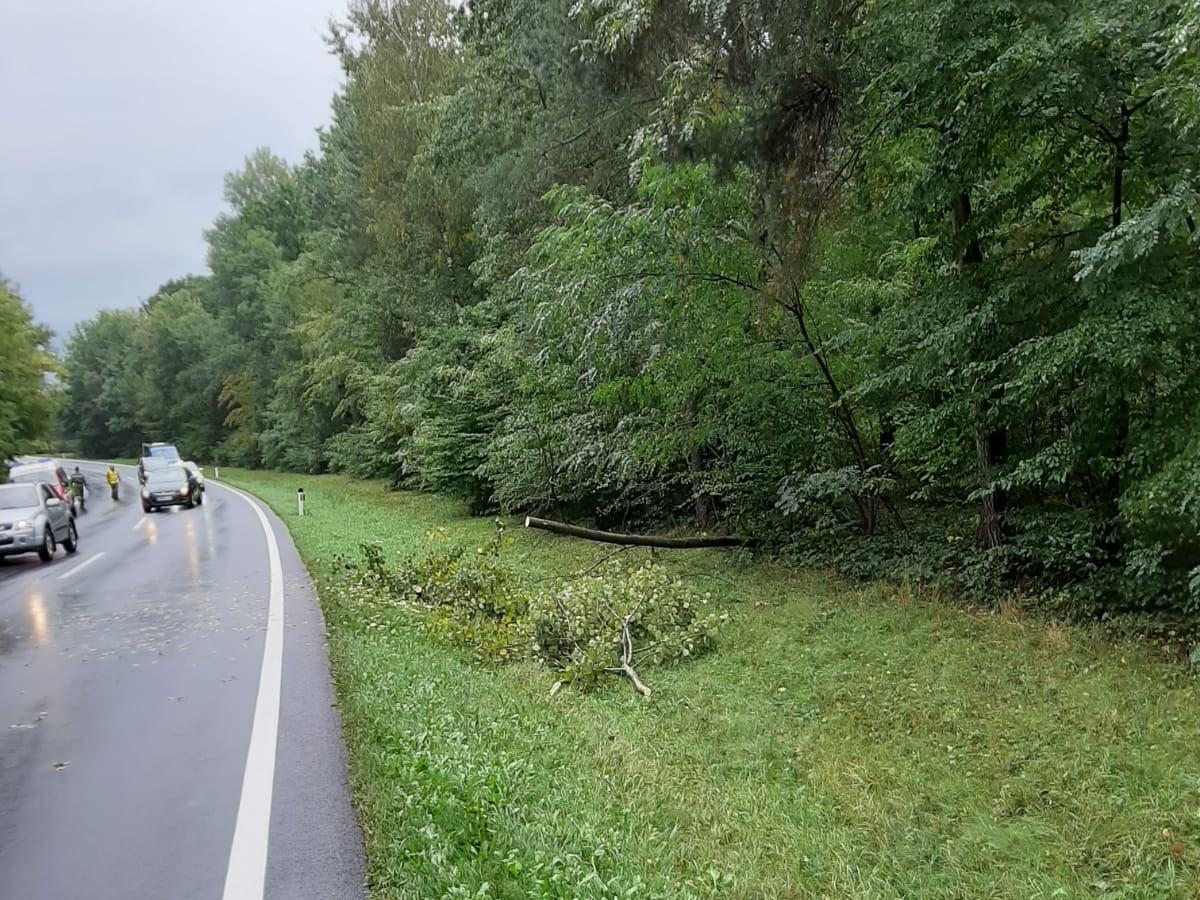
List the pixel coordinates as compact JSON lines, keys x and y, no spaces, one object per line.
{"x":299,"y":501}
{"x":216,"y":471}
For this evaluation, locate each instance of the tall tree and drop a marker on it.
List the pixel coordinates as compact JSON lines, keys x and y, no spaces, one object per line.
{"x":26,"y":402}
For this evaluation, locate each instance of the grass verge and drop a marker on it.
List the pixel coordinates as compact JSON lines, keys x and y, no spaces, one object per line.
{"x":842,"y":741}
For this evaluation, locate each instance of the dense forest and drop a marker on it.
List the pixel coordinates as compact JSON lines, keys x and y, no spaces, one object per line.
{"x":909,"y":288}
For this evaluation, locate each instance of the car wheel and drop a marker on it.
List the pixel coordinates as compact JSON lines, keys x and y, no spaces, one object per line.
{"x":71,"y":544}
{"x":48,"y":546}
{"x":191,"y":502}
{"x":200,"y":499}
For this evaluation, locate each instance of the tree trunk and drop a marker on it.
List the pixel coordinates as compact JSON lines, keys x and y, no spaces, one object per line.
{"x":700,"y":497}
{"x":1112,"y":502}
{"x":842,"y":413}
{"x":992,"y":448}
{"x":960,"y":215}
{"x":887,"y":434}
{"x":991,"y":443}
{"x":1118,"y":181}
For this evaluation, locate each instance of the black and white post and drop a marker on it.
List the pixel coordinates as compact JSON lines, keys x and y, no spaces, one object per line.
{"x":300,"y":501}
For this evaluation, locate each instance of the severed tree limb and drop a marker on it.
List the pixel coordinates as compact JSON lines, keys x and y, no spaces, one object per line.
{"x":636,"y":540}
{"x":589,"y":570}
{"x":626,"y":667}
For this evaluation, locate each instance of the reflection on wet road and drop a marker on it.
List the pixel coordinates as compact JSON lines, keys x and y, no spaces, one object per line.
{"x":128,"y":680}
{"x":35,"y":606}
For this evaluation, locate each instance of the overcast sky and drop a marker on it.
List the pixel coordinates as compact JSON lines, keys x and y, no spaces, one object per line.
{"x":118,"y":121}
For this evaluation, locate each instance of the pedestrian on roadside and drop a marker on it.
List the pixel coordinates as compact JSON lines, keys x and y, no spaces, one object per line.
{"x":78,"y":486}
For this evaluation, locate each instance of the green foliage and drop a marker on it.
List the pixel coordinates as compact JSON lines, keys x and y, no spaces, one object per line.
{"x":471,"y":600}
{"x":584,"y":626}
{"x":973,"y":753}
{"x":26,"y":401}
{"x":819,"y":273}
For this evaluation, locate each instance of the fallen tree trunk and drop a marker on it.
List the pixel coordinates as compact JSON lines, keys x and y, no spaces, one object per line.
{"x":636,"y":540}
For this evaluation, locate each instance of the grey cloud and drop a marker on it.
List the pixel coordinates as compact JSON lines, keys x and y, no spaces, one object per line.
{"x":118,"y":121}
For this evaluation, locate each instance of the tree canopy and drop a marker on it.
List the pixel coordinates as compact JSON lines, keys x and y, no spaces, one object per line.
{"x":908,"y":287}
{"x":26,"y":365}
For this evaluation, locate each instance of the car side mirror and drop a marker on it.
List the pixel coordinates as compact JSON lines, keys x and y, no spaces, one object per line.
{"x":53,"y":503}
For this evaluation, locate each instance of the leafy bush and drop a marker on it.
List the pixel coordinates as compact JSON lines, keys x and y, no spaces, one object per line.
{"x":581,"y":627}
{"x":467,"y":599}
{"x":827,"y":496}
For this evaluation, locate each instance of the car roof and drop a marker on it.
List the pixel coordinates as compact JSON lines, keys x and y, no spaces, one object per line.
{"x":27,"y":468}
{"x":172,"y":465}
{"x":24,"y":484}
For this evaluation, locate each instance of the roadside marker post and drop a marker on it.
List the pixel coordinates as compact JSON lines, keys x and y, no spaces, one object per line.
{"x":216,"y":471}
{"x":300,"y":501}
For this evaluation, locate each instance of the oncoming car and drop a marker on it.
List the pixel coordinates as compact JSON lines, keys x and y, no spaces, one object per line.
{"x":171,"y":486}
{"x":34,"y":519}
{"x":149,"y":464}
{"x":155,"y":455}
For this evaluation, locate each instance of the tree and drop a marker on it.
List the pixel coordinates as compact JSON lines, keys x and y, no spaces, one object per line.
{"x":850,"y":279}
{"x":26,"y":365}
{"x":101,"y":413}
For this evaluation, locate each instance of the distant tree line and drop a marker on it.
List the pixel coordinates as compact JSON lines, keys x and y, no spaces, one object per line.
{"x":907,"y":286}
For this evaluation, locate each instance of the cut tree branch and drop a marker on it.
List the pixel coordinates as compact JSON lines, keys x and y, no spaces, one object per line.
{"x":626,"y":667}
{"x":637,"y":540}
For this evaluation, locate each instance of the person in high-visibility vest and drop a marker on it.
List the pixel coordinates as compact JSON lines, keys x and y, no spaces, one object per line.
{"x":113,"y":480}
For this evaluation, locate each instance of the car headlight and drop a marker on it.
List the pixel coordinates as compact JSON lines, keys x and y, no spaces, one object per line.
{"x":145,"y":494}
{"x":184,"y":490}
{"x":22,"y":526}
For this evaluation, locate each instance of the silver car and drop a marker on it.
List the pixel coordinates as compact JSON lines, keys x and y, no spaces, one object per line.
{"x":50,"y":471}
{"x":33,"y":519}
{"x":197,"y":472}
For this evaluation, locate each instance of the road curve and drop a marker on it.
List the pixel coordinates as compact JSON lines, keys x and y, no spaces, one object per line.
{"x":129,"y":691}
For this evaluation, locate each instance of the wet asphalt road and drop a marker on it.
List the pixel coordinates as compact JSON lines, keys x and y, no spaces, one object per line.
{"x":129,"y":675}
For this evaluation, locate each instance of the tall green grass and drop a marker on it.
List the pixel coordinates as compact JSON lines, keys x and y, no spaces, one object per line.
{"x":842,"y":741}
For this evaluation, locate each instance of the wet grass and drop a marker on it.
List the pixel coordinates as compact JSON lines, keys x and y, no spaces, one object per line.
{"x":841,"y":742}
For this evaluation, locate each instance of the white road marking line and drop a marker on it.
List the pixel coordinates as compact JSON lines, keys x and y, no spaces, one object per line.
{"x":83,"y":565}
{"x":245,"y":879}
{"x":140,"y":523}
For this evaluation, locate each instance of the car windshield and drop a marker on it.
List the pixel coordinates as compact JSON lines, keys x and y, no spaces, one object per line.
{"x":18,"y":496}
{"x":166,"y":452}
{"x":170,"y":475}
